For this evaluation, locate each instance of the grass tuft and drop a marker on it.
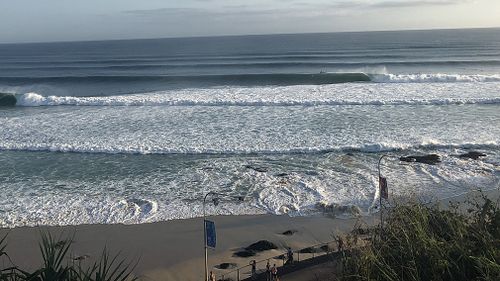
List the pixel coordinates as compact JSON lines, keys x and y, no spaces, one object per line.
{"x":55,"y":252}
{"x":420,"y":242}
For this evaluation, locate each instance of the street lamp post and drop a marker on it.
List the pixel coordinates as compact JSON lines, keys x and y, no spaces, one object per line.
{"x":215,"y":201}
{"x":380,"y":188}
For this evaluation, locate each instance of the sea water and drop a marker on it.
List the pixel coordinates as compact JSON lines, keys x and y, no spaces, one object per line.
{"x":139,"y":131}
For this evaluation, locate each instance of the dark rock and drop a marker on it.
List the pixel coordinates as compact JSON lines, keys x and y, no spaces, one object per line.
{"x":257,"y":169}
{"x":430,"y":159}
{"x":326,"y":248}
{"x":244,"y":254}
{"x":226,"y":265}
{"x":472,"y":155}
{"x":281,"y":175}
{"x":289,"y":232}
{"x":7,"y":99}
{"x":262,"y":245}
{"x":310,"y":250}
{"x":280,"y":257}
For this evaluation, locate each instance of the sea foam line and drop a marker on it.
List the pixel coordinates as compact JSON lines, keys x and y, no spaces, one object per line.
{"x":365,"y":148}
{"x":433,"y":78}
{"x":34,"y":99}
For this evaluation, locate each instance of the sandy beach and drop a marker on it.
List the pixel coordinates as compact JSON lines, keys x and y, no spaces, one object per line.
{"x":173,"y":250}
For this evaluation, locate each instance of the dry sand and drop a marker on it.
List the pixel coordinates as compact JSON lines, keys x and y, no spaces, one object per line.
{"x":173,"y":250}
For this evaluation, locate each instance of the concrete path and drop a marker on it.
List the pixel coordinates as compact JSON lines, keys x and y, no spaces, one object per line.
{"x":314,"y":269}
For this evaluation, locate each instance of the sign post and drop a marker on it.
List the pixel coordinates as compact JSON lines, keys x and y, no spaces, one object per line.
{"x":211,"y":239}
{"x":209,"y":235}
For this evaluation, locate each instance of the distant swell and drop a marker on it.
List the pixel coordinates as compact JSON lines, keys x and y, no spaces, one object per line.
{"x":275,"y":62}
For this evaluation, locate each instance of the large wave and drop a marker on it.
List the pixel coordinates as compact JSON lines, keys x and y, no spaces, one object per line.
{"x":298,"y":95}
{"x":231,"y":79}
{"x":34,"y":99}
{"x":253,"y":79}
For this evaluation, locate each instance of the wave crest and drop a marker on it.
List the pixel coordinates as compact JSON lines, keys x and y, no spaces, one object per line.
{"x":433,"y":78}
{"x":34,"y":99}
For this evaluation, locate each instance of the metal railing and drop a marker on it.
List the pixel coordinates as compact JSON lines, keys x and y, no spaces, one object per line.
{"x":307,"y":253}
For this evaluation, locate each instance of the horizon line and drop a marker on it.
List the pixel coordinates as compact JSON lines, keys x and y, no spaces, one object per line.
{"x":247,"y":35}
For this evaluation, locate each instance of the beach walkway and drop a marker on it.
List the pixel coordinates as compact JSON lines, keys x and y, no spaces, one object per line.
{"x":306,"y":270}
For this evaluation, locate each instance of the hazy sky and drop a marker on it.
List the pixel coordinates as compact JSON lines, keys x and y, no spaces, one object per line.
{"x":69,"y":20}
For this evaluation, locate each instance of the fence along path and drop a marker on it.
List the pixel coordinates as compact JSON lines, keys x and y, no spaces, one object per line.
{"x":321,"y":250}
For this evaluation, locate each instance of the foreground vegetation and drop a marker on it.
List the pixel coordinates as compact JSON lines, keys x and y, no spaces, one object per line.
{"x":419,"y":242}
{"x":56,"y":265}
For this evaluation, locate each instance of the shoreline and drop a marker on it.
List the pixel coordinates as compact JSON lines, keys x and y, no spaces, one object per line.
{"x":173,"y":250}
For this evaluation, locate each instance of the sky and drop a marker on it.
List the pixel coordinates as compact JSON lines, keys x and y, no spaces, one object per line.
{"x":76,"y":20}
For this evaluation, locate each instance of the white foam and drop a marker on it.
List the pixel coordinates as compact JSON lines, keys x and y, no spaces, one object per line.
{"x":433,"y":78}
{"x":263,"y":129}
{"x":347,"y":182}
{"x":275,"y":131}
{"x":196,"y":149}
{"x":305,"y":95}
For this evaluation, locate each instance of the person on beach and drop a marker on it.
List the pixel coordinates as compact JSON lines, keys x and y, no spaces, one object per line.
{"x":340,"y":242}
{"x":289,"y":256}
{"x":268,"y":271}
{"x":212,"y":276}
{"x":254,"y":269}
{"x":274,"y":273}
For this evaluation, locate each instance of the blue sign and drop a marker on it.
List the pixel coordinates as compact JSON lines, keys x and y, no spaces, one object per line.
{"x":211,"y":235}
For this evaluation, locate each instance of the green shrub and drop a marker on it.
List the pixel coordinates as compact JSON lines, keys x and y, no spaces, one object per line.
{"x":418,"y":242}
{"x":54,"y":268}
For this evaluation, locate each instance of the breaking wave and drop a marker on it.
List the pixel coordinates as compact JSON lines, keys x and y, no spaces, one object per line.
{"x":432,"y":78}
{"x":143,"y":149}
{"x":34,"y":99}
{"x":231,"y":79}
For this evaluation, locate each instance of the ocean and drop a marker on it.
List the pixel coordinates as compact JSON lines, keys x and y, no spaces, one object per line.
{"x":137,"y":131}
